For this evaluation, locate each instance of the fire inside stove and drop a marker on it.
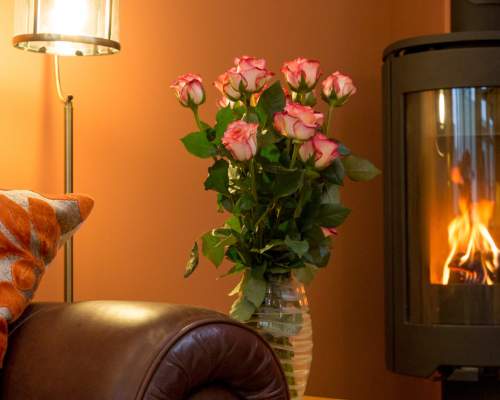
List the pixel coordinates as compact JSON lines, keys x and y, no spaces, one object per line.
{"x":474,"y":256}
{"x":454,"y":149}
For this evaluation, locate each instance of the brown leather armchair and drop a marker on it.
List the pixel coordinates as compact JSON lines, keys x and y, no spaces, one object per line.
{"x":103,"y":350}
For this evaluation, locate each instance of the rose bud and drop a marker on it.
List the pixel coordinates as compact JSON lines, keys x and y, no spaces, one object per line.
{"x":297,"y":121}
{"x":329,"y":231}
{"x":223,"y":85}
{"x":189,"y":90}
{"x":301,"y":74}
{"x":337,"y":89}
{"x":240,"y":139}
{"x":323,"y":150}
{"x":224,"y":102}
{"x":249,"y":75}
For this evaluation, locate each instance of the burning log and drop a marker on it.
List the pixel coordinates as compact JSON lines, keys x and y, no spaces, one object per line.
{"x":478,"y":269}
{"x":474,"y":257}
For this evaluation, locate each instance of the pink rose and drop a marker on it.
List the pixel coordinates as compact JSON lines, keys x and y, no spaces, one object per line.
{"x":249,"y":75}
{"x":298,"y":121}
{"x":323,"y":150}
{"x":189,"y":90}
{"x":240,"y":139}
{"x":301,"y":74}
{"x":337,"y":88}
{"x":329,"y":231}
{"x":224,"y":86}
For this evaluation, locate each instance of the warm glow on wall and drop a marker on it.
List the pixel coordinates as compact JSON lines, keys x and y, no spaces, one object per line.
{"x":67,"y":27}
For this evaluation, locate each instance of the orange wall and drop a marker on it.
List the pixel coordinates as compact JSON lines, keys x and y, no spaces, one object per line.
{"x":150,"y":204}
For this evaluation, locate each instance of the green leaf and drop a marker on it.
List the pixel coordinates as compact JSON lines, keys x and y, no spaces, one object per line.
{"x":234,"y":223}
{"x":283,"y":227}
{"x":252,"y":117}
{"x":311,"y":174}
{"x":332,"y":215}
{"x":271,"y":153}
{"x":205,"y":126}
{"x":212,"y":248}
{"x":359,"y":169}
{"x":320,"y":247}
{"x":218,"y":178}
{"x":335,"y":173}
{"x":236,"y":268}
{"x":237,"y":289}
{"x":254,"y":288}
{"x":193,"y":261}
{"x":224,"y":117}
{"x":305,"y":274}
{"x":343,"y":150}
{"x":245,"y":202}
{"x":267,"y":137}
{"x":242,"y":309}
{"x":224,"y":203}
{"x":225,"y":237}
{"x":331,"y":195}
{"x":198,"y":144}
{"x":299,"y":247}
{"x":269,"y":246}
{"x":271,"y":101}
{"x":288,"y":183}
{"x":279,"y":270}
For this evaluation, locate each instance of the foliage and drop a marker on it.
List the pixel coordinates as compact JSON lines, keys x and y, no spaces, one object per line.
{"x":279,"y":205}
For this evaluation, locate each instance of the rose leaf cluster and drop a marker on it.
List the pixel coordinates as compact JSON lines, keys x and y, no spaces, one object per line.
{"x":276,"y":168}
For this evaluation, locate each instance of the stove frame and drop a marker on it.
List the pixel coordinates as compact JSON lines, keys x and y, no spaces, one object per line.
{"x":456,"y":60}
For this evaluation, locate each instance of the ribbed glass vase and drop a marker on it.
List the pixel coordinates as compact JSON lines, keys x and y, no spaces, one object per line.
{"x":285,"y":323}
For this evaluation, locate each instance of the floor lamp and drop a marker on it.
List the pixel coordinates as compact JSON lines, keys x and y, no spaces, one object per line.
{"x":67,"y":28}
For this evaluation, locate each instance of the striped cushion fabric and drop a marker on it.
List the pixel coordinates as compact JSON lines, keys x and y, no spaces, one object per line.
{"x":32,"y":228}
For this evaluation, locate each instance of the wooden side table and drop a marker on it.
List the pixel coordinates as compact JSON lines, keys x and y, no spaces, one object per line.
{"x":316,"y":398}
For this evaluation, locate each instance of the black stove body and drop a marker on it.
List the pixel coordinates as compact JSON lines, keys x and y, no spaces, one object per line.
{"x":442,"y":203}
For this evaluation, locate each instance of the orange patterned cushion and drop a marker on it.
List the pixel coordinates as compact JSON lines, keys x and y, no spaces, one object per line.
{"x":32,"y":228}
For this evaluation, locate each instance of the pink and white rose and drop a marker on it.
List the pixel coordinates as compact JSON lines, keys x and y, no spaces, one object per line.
{"x":249,"y":75}
{"x":298,"y":122}
{"x":337,"y":88}
{"x":301,"y":74}
{"x":322,"y":149}
{"x":189,"y":90}
{"x":224,"y":86}
{"x":240,"y":139}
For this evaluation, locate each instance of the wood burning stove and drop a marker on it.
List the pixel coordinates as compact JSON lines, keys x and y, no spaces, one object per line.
{"x":442,"y":203}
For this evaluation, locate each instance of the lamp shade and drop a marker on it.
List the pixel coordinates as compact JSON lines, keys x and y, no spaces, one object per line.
{"x":67,"y":27}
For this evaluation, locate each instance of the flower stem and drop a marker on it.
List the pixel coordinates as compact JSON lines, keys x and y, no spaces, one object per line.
{"x":254,"y":185}
{"x":296,"y":147}
{"x":328,"y":121}
{"x":197,"y":118}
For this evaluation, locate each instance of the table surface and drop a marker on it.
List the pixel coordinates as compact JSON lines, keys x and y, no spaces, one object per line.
{"x":317,"y":398}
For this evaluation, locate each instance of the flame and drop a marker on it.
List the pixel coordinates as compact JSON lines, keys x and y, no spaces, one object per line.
{"x":474,"y":253}
{"x":456,"y":176}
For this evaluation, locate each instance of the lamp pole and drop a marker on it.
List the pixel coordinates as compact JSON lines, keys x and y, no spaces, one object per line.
{"x":68,"y":177}
{"x":67,"y":28}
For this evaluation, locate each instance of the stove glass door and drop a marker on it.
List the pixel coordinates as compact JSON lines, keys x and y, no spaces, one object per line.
{"x":453,"y":210}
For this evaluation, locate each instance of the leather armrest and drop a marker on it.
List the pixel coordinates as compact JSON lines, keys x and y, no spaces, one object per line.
{"x":130,"y":350}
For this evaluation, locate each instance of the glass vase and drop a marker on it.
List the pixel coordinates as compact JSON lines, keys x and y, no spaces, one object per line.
{"x":285,"y":323}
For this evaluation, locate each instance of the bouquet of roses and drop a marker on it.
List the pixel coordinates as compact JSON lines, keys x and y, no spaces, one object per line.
{"x":277,"y":170}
